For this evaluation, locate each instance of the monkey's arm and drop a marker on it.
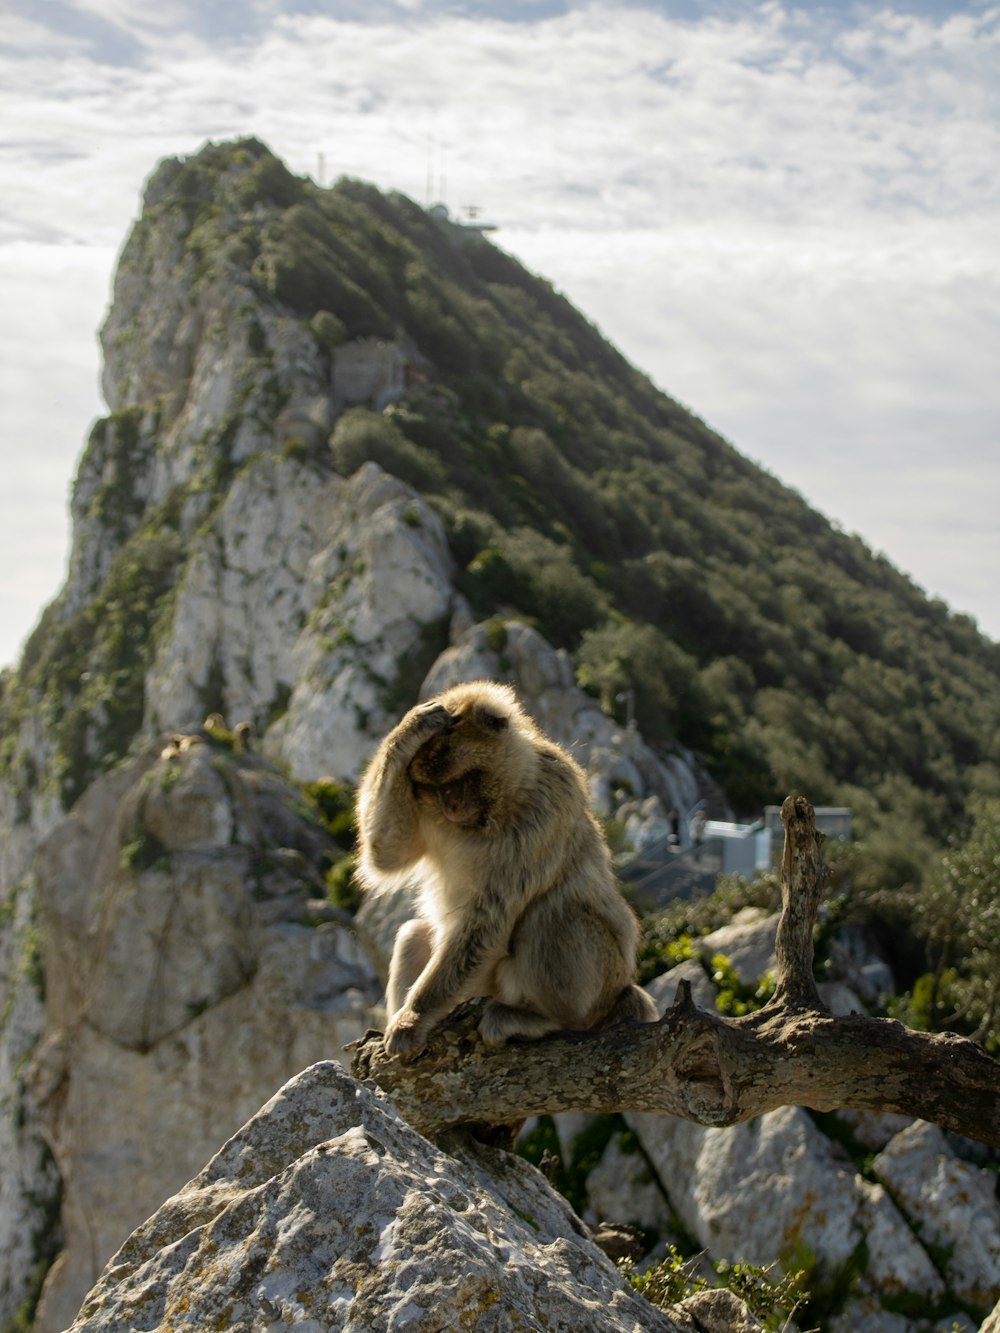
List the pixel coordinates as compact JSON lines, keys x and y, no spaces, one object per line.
{"x":387,"y":809}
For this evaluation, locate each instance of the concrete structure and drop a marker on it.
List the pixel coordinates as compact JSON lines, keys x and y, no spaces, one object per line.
{"x":369,"y":371}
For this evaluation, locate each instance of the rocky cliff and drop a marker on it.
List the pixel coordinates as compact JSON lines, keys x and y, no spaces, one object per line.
{"x":260,"y":584}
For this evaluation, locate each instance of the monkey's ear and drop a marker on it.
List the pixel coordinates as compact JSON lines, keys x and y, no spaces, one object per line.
{"x":490,"y":721}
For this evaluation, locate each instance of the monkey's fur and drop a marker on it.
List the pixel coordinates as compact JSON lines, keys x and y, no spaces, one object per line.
{"x":518,"y":902}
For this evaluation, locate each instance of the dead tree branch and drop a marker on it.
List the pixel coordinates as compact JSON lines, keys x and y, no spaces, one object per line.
{"x":703,"y":1067}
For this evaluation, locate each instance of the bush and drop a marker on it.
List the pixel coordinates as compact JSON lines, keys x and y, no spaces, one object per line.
{"x":540,"y":578}
{"x":664,"y":680}
{"x":328,"y":330}
{"x":361,"y":436}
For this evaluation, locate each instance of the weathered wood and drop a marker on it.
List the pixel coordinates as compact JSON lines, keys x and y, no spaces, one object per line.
{"x":803,"y":877}
{"x":699,"y":1065}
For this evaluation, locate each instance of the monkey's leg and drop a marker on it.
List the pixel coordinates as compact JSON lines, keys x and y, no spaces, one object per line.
{"x":457,"y":970}
{"x":501,"y":1022}
{"x":410,"y":955}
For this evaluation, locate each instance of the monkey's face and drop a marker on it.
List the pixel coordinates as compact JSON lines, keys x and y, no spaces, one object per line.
{"x":452,"y":770}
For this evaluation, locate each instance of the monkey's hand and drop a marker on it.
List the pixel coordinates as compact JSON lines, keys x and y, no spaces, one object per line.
{"x":420,"y":725}
{"x":406,"y":1034}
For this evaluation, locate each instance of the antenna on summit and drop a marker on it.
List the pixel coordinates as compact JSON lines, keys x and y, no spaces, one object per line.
{"x":436,"y":179}
{"x":434,"y":168}
{"x":438,"y":207}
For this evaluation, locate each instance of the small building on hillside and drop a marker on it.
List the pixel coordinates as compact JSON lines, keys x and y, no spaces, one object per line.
{"x":370,"y":371}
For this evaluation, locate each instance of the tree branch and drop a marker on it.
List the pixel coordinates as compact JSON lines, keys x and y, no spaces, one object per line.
{"x":700,"y":1066}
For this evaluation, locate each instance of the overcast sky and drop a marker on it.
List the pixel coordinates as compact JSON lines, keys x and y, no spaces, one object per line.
{"x":786,"y":214}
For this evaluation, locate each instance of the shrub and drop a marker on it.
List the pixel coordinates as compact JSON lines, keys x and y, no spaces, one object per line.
{"x":328,"y":330}
{"x":361,"y":436}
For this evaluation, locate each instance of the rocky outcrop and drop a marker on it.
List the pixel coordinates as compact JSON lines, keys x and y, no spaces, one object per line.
{"x":951,"y":1205}
{"x":307,"y":608}
{"x":326,"y":1211}
{"x":775,"y":1187}
{"x":192,"y":968}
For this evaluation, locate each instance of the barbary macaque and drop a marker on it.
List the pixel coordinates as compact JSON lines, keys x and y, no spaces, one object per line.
{"x":518,"y":902}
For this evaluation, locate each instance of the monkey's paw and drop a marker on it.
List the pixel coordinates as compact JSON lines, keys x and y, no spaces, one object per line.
{"x":420,"y":725}
{"x":406,"y":1035}
{"x":430,"y":719}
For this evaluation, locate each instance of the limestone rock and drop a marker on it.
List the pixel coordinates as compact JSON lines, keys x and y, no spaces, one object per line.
{"x":866,"y":1313}
{"x":183,"y":986}
{"x":760,"y":1190}
{"x":327,"y":1211}
{"x":305,"y":603}
{"x":992,"y":1321}
{"x":380,"y":917}
{"x":29,"y":1182}
{"x":952,"y":1205}
{"x":719,"y":1312}
{"x":356,"y":664}
{"x":646,"y":822}
{"x":839,"y":998}
{"x":874,"y":1129}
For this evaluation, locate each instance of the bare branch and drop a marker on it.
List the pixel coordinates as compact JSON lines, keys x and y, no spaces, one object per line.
{"x":803,"y":876}
{"x":699,"y":1065}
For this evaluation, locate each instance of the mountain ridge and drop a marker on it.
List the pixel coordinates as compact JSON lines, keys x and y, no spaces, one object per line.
{"x":676,"y":572}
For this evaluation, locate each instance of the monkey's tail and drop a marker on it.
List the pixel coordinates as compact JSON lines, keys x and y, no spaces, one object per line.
{"x":633,"y":1005}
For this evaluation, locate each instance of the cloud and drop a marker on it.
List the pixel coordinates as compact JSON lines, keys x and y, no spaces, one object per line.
{"x":54,"y":296}
{"x":786,"y":217}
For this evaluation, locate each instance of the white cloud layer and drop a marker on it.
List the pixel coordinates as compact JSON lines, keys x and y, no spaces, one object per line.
{"x":786,"y":217}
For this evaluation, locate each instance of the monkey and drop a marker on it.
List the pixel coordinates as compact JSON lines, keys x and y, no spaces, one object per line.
{"x":518,"y":902}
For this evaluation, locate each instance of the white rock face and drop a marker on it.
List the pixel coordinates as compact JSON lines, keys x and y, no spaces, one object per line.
{"x":306,"y":603}
{"x":327,"y":1212}
{"x":182,"y":987}
{"x":393,"y":571}
{"x":874,"y":1128}
{"x":28,"y":810}
{"x":618,"y":763}
{"x":759,"y":1190}
{"x":952,"y":1204}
